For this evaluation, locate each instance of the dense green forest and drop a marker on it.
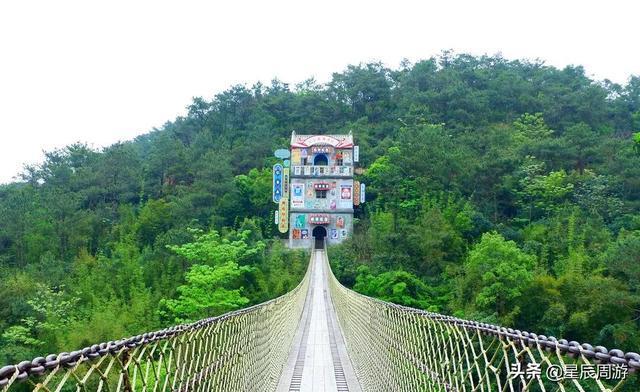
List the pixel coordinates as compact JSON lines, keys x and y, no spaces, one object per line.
{"x":498,"y":190}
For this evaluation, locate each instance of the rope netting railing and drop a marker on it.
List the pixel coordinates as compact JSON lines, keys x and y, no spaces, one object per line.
{"x":244,"y":350}
{"x":392,"y":348}
{"x":396,"y":348}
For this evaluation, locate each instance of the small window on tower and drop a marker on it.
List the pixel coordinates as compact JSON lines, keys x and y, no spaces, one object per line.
{"x":321,"y":194}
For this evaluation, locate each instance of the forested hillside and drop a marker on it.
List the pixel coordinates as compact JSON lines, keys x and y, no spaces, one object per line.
{"x":498,"y":190}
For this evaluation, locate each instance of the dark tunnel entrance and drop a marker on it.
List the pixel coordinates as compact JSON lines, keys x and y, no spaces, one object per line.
{"x":319,"y":234}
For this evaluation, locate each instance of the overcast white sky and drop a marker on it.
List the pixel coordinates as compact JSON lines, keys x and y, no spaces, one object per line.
{"x":100,"y":72}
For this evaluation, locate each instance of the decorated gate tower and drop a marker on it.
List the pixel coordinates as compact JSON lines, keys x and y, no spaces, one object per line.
{"x":318,"y":189}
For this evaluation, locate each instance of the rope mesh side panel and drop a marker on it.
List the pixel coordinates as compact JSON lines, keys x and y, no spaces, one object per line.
{"x":392,"y":348}
{"x":396,"y":348}
{"x":244,"y":350}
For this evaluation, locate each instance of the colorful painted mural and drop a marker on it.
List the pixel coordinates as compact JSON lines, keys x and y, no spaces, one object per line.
{"x":295,"y":157}
{"x":321,"y":187}
{"x":297,"y":195}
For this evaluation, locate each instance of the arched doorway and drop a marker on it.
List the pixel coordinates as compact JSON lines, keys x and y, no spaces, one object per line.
{"x":319,"y":233}
{"x":320,"y":160}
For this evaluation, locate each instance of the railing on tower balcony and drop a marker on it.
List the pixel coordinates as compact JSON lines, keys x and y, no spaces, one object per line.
{"x":321,"y":171}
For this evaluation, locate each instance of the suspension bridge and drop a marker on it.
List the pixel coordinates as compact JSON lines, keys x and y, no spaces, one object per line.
{"x":321,"y":336}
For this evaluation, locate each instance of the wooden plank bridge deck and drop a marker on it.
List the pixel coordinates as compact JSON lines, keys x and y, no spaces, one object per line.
{"x":318,"y":360}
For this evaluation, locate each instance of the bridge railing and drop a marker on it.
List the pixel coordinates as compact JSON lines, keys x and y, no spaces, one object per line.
{"x":392,"y":347}
{"x":237,"y":351}
{"x":396,"y":348}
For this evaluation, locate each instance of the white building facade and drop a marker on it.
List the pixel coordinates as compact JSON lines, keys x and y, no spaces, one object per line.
{"x":322,"y":191}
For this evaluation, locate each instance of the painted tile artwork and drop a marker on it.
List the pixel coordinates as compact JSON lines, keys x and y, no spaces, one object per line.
{"x":320,"y":184}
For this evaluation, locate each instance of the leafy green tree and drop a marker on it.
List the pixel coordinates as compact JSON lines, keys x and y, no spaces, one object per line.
{"x":543,"y":193}
{"x":531,"y":127}
{"x":542,"y":307}
{"x":255,"y":197}
{"x":428,"y":154}
{"x":365,"y":88}
{"x":213,"y":287}
{"x":622,"y":259}
{"x":636,"y":140}
{"x":599,"y":195}
{"x":155,"y":217}
{"x":384,"y":179}
{"x":398,"y":286}
{"x":436,"y":236}
{"x":207,"y":293}
{"x":597,"y":303}
{"x":213,"y":249}
{"x":580,"y":142}
{"x":51,"y":312}
{"x":496,"y":274}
